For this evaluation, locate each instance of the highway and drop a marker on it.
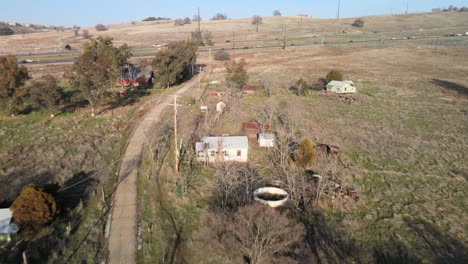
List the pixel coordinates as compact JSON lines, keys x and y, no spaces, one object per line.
{"x":151,"y":50}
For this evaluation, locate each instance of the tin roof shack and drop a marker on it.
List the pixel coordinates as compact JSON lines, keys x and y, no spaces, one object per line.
{"x":222,"y":149}
{"x":341,"y":87}
{"x":7,"y":228}
{"x":266,"y":140}
{"x":249,"y":89}
{"x":252,"y":128}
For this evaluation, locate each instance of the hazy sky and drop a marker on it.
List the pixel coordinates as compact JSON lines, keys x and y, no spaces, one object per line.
{"x":91,"y":12}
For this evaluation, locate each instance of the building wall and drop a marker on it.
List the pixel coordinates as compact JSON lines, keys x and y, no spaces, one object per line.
{"x":268,"y":143}
{"x":232,"y":155}
{"x":344,"y":89}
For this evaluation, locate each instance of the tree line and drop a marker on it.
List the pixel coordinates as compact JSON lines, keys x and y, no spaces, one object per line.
{"x":92,"y":75}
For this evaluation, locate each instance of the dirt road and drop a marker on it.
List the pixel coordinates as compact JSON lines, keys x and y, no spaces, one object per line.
{"x":123,"y":232}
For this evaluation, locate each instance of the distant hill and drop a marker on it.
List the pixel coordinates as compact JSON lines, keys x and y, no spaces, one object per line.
{"x":26,"y":28}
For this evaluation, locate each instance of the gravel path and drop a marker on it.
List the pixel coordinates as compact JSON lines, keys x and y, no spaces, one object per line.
{"x":123,"y":232}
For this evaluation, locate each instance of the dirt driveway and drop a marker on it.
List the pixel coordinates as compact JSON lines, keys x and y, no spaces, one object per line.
{"x":123,"y":232}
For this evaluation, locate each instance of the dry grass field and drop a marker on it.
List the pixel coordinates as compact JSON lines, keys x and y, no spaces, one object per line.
{"x":144,"y":34}
{"x":404,"y":144}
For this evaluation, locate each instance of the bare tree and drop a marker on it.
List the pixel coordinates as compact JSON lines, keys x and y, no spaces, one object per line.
{"x":257,"y":20}
{"x":234,"y":186}
{"x":76,"y":30}
{"x":261,"y":232}
{"x":219,"y":16}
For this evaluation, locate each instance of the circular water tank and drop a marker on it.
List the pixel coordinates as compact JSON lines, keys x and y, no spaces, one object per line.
{"x":271,"y":196}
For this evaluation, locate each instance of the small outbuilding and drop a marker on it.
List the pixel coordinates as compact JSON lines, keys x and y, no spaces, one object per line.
{"x":341,"y":87}
{"x":222,"y":149}
{"x":7,"y":228}
{"x":252,"y":128}
{"x":249,"y":89}
{"x":266,"y":140}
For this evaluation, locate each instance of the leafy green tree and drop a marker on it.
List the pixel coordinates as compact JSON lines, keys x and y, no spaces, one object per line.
{"x":34,"y":207}
{"x":46,"y":93}
{"x":305,"y":154}
{"x":334,"y":76}
{"x":174,"y":64}
{"x":13,"y":78}
{"x":97,"y":68}
{"x":236,"y":74}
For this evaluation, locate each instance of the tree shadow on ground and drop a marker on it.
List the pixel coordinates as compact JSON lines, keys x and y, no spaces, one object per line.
{"x":325,"y":241}
{"x":41,"y":246}
{"x":12,"y":183}
{"x":451,"y":86}
{"x":439,"y":247}
{"x":131,"y":97}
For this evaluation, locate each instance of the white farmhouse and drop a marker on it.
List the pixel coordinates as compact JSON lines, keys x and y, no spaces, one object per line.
{"x":6,"y":227}
{"x":341,"y":87}
{"x":222,"y":149}
{"x":266,"y":140}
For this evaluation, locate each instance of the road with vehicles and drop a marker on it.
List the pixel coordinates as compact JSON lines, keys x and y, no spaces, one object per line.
{"x":141,"y":52}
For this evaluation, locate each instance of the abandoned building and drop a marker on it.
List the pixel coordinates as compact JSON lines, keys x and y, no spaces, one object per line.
{"x":266,"y":140}
{"x":7,"y":228}
{"x":252,"y":128}
{"x":222,"y":149}
{"x":341,"y":87}
{"x":249,"y":89}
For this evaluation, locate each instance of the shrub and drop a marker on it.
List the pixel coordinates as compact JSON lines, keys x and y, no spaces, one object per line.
{"x":6,"y":31}
{"x":358,"y":23}
{"x":34,"y":207}
{"x":68,"y":47}
{"x":85,"y":34}
{"x":179,"y":22}
{"x":100,"y":27}
{"x":334,"y":76}
{"x":305,"y":154}
{"x":301,"y":87}
{"x":221,"y":55}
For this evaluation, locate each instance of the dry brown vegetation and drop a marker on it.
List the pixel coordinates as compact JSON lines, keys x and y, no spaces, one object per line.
{"x":403,"y":145}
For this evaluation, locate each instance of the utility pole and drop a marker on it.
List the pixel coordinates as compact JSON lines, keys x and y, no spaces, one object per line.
{"x":301,"y":23}
{"x":176,"y":150}
{"x":338,"y":17}
{"x":199,"y":85}
{"x":407,"y":6}
{"x":209,"y":62}
{"x":198,"y":18}
{"x":284,"y":37}
{"x":233,"y":40}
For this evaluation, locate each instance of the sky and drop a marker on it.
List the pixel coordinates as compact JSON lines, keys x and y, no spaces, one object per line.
{"x":90,"y":12}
